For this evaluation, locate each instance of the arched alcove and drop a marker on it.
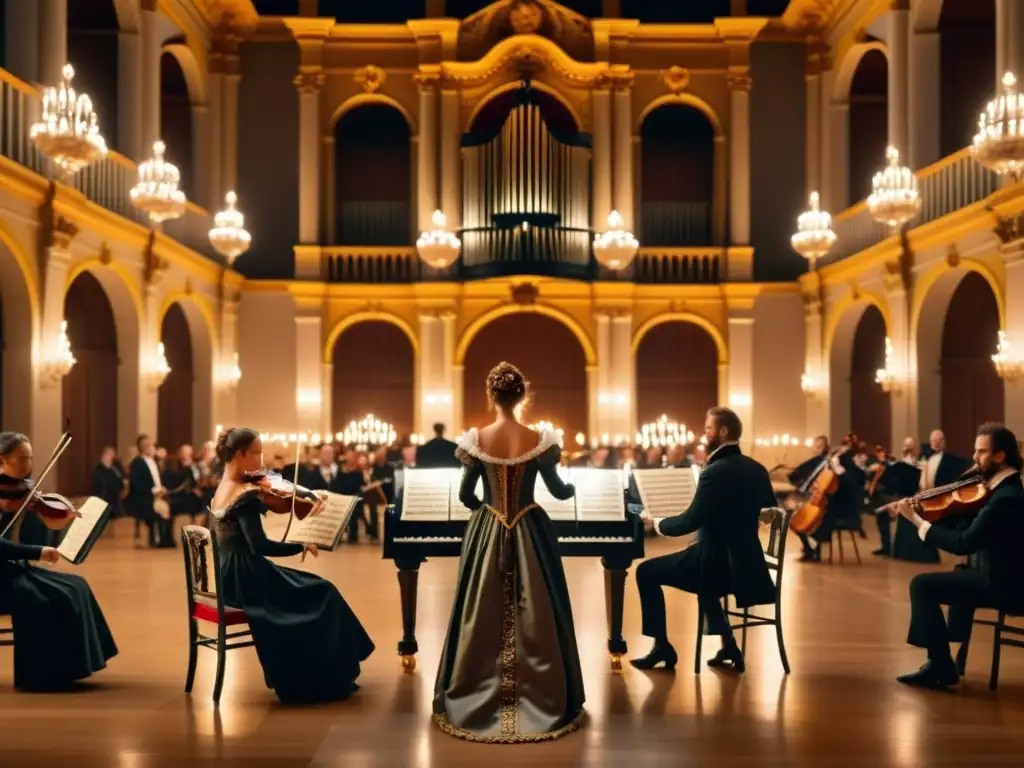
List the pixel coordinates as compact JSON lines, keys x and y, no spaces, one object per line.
{"x":176,"y":120}
{"x":870,"y":406}
{"x":676,"y":374}
{"x":868,"y":123}
{"x":92,"y":40}
{"x":17,"y":325}
{"x":372,"y":177}
{"x":550,"y":357}
{"x":967,"y":31}
{"x":374,"y":372}
{"x":677,"y":176}
{"x":90,"y":390}
{"x":972,"y":392}
{"x":175,"y":413}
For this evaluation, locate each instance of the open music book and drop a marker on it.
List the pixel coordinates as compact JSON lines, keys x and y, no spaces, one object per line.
{"x":83,"y":532}
{"x":666,"y":492}
{"x":432,"y":495}
{"x":326,"y":529}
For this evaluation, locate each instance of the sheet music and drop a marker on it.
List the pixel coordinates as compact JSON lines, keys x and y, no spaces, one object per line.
{"x":666,"y":492}
{"x":427,"y":494}
{"x":325,"y":529}
{"x":598,"y":495}
{"x":555,"y":508}
{"x":81,"y":528}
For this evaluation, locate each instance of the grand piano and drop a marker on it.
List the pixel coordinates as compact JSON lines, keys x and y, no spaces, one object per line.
{"x":411,"y":542}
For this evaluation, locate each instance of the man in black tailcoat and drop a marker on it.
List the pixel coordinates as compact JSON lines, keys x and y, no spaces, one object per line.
{"x":728,"y":558}
{"x":437,"y":453}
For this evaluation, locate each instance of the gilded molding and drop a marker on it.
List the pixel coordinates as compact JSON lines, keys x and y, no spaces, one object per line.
{"x":739,"y":79}
{"x":676,"y":79}
{"x":371,"y":78}
{"x":309,"y":80}
{"x":526,"y":54}
{"x":427,"y":80}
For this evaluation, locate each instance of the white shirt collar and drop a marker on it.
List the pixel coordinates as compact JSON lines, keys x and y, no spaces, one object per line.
{"x":153,"y":470}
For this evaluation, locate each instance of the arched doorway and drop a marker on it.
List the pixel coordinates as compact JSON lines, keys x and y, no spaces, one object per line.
{"x":972,"y":392}
{"x":90,"y":390}
{"x":676,"y":207}
{"x":676,"y":374}
{"x":967,"y":31}
{"x":372,"y":177}
{"x":550,"y":357}
{"x":374,"y":372}
{"x":175,"y":406}
{"x":176,"y":121}
{"x":16,"y":331}
{"x":868,"y":129}
{"x":870,"y":406}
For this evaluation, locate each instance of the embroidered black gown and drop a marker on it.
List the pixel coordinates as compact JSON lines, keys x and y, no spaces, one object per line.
{"x":510,"y":669}
{"x":309,"y":641}
{"x":60,"y":633}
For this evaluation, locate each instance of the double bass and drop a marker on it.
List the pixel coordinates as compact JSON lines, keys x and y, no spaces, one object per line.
{"x":810,"y":500}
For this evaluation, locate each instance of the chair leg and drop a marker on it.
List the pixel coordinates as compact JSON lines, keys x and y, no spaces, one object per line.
{"x":993,"y":680}
{"x":193,"y":653}
{"x":743,"y":632}
{"x":842,"y":555}
{"x":700,"y":641}
{"x":222,"y":653}
{"x":856,"y":549}
{"x":783,"y":656}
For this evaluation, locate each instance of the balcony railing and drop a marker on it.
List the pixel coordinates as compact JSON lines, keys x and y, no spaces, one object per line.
{"x":952,"y":183}
{"x":107,"y":183}
{"x":679,"y":265}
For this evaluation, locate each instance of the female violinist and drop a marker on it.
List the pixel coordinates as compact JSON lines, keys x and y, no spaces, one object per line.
{"x":309,"y":641}
{"x":60,"y":633}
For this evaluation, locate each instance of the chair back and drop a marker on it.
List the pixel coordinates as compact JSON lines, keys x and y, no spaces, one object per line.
{"x":777,"y":519}
{"x":202,"y":567}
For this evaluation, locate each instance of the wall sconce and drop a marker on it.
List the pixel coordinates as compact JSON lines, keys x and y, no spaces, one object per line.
{"x":613,"y":398}
{"x":437,"y":398}
{"x":309,"y":397}
{"x":160,"y":370}
{"x":1008,"y":365}
{"x":740,"y":400}
{"x":59,"y":365}
{"x":581,"y":439}
{"x":811,"y":385}
{"x":888,"y":378}
{"x":231,"y":374}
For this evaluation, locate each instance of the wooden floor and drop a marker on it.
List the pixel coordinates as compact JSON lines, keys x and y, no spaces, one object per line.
{"x":845,"y":629}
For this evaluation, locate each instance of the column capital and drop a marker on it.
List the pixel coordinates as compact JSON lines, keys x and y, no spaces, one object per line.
{"x":618,"y":78}
{"x":817,"y":57}
{"x":62,"y":232}
{"x":428,"y":80}
{"x":739,"y":79}
{"x":309,"y":80}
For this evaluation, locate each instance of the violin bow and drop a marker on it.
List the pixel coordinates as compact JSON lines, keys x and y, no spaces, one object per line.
{"x":62,"y":444}
{"x":295,"y":487}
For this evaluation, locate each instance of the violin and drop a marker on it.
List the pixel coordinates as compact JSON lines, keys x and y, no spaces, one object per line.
{"x":281,"y":496}
{"x":968,"y":493}
{"x":878,"y":469}
{"x":54,"y":510}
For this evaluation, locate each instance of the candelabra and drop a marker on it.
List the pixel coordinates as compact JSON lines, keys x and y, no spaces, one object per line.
{"x":156,"y":192}
{"x":785,"y":440}
{"x":615,"y":248}
{"x":887,"y":377}
{"x":894,"y":199}
{"x":663,"y":433}
{"x":370,"y":431}
{"x":1008,"y":365}
{"x":229,"y":237}
{"x":999,"y":143}
{"x":160,"y":369}
{"x":69,"y":132}
{"x":438,"y":248}
{"x":59,"y":365}
{"x":814,"y":237}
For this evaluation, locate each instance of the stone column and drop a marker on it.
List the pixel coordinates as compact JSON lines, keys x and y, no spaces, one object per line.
{"x":226,"y":405}
{"x":453,"y":382}
{"x":601,"y":199}
{"x":149,"y":339}
{"x":149,"y":75}
{"x":1013,"y":259}
{"x":816,"y":368}
{"x":1009,"y":40}
{"x":201,"y":158}
{"x":899,"y":65}
{"x":427,"y":150}
{"x":215,"y":189}
{"x":601,"y":378}
{"x":309,"y":81}
{"x":622,"y":373}
{"x":905,"y":421}
{"x":309,"y":384}
{"x":21,"y":41}
{"x":814,"y":60}
{"x":434,"y":372}
{"x":53,"y":40}
{"x":839,"y":165}
{"x":720,"y":168}
{"x":451,"y":165}
{"x":232,"y":78}
{"x":623,"y":190}
{"x":739,"y":155}
{"x":129,"y":93}
{"x":741,"y":371}
{"x":924,"y":116}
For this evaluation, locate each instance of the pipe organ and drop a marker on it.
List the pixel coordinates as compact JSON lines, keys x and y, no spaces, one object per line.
{"x":526,"y":197}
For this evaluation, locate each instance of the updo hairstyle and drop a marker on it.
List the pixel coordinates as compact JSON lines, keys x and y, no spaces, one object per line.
{"x":233,"y":440}
{"x":506,"y":387}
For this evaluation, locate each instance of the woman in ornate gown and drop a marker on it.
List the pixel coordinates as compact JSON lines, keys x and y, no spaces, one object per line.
{"x":309,"y":641}
{"x":510,"y":669}
{"x":60,"y":633}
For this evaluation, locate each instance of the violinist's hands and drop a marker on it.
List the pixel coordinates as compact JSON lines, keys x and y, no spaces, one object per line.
{"x":310,"y":549}
{"x":49,"y":555}
{"x":905,"y":507}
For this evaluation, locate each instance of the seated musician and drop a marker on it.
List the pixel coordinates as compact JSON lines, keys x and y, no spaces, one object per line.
{"x":843,"y":507}
{"x":728,"y":558}
{"x":60,"y":633}
{"x":992,"y":540}
{"x":309,"y":641}
{"x":181,"y":479}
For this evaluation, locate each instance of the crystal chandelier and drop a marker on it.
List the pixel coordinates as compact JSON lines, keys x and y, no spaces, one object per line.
{"x":229,"y":236}
{"x":999,"y":143}
{"x":158,"y":374}
{"x":439,"y":248}
{"x":371,"y":431}
{"x":814,"y":237}
{"x":887,"y":377}
{"x":894,"y":199}
{"x":156,"y":192}
{"x":1008,"y":365}
{"x":615,"y":248}
{"x":69,"y":132}
{"x":811,"y":385}
{"x":63,"y":360}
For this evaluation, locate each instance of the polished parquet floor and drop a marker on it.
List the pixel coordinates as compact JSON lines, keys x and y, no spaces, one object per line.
{"x":845,"y":630}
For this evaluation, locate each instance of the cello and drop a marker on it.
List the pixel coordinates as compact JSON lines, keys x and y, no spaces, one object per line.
{"x":810,"y":501}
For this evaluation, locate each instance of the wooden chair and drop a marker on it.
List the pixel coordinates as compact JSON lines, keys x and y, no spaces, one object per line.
{"x":998,"y":641}
{"x":777,"y":519}
{"x":6,"y":634}
{"x":837,"y":535}
{"x":199,"y":546}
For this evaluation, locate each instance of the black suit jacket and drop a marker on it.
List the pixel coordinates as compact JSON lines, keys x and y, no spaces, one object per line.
{"x":436,"y":454}
{"x":139,"y":500}
{"x":950,"y":468}
{"x":994,"y":538}
{"x":732,"y":491}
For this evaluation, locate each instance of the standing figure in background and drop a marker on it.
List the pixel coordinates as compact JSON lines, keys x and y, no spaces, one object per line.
{"x":437,"y":452}
{"x":348,"y":481}
{"x":181,"y":478}
{"x":108,"y":481}
{"x":146,"y":493}
{"x":60,"y":633}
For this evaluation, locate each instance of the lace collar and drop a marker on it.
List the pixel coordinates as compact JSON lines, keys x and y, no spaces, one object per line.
{"x":470,"y":443}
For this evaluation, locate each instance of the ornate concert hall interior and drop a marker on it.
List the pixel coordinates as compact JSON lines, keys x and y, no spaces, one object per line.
{"x":329,"y":220}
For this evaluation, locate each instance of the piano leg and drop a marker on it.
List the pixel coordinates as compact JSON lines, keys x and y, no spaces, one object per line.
{"x":408,"y":585}
{"x":614,"y":598}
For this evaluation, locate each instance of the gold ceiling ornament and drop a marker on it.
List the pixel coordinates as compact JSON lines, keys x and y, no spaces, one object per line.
{"x":514,"y":53}
{"x":676,"y":78}
{"x":62,"y":232}
{"x":953,"y":256}
{"x":525,"y":16}
{"x":525,"y":293}
{"x":371,"y":78}
{"x":506,"y":19}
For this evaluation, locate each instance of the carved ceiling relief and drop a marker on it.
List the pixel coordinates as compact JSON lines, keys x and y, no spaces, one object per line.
{"x":676,"y":79}
{"x":505,"y":18}
{"x":371,"y":78}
